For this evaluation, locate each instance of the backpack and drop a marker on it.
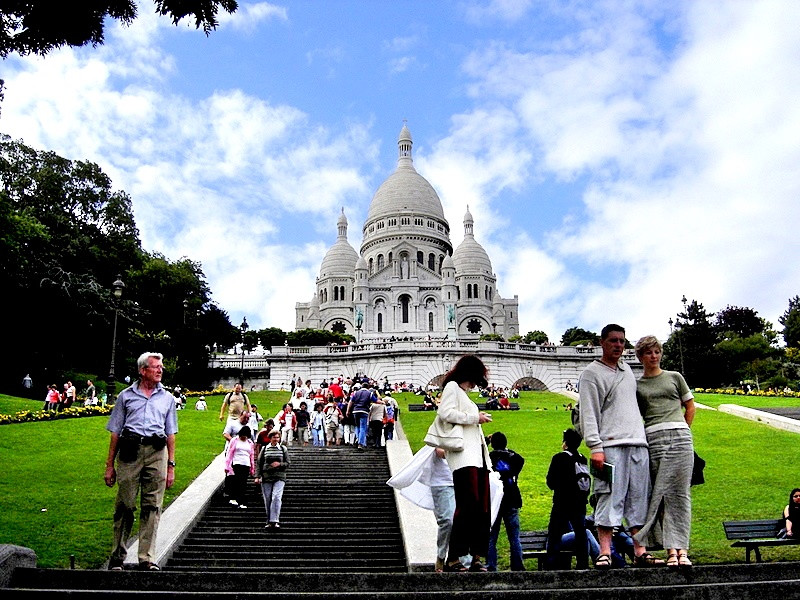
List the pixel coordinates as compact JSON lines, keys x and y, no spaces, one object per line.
{"x":503,"y":464}
{"x":583,"y":481}
{"x":228,"y":398}
{"x":332,"y":416}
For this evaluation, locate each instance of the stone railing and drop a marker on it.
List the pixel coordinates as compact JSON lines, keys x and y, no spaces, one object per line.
{"x":232,"y":361}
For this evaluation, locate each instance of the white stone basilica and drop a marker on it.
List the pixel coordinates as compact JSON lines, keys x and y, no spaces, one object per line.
{"x":407,"y":282}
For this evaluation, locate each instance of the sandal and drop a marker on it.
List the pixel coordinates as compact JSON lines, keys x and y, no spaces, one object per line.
{"x":455,"y":567}
{"x":477,"y":567}
{"x":647,"y":560}
{"x":672,"y":560}
{"x":683,"y":560}
{"x":603,"y":562}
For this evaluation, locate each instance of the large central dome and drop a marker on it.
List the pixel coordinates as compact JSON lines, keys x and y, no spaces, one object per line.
{"x":405,"y":190}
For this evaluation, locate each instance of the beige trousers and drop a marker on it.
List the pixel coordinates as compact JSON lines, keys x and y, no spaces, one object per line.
{"x":148,"y":472}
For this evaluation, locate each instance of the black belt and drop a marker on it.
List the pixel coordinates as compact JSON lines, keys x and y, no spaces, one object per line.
{"x":153,"y":440}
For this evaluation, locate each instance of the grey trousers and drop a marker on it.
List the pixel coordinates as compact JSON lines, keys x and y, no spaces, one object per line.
{"x":669,"y":514}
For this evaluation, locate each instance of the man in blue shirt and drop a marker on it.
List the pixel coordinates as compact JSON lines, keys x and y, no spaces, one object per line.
{"x":143,"y":425}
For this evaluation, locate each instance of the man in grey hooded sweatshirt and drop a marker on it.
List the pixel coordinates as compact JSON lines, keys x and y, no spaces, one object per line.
{"x":613,"y":430}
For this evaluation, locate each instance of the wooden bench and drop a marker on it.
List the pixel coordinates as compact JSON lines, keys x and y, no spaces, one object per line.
{"x":534,"y":545}
{"x":511,"y":406}
{"x":419,"y":407}
{"x":751,"y":535}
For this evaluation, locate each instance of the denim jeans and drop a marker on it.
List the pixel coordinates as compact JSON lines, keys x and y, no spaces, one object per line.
{"x":317,"y":437}
{"x":510,"y":517}
{"x":444,"y":505}
{"x":362,"y":423}
{"x":568,"y":543}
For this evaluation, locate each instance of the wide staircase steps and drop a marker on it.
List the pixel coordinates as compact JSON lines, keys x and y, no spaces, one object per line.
{"x":338,"y":514}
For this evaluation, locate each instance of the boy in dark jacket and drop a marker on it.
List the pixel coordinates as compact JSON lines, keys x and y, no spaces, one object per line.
{"x":569,"y":500}
{"x":509,"y":464}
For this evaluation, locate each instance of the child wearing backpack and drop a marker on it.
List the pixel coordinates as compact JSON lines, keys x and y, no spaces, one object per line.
{"x":508,"y":464}
{"x":568,"y":477}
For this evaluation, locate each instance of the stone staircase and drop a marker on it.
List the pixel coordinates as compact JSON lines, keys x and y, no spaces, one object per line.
{"x":338,"y":515}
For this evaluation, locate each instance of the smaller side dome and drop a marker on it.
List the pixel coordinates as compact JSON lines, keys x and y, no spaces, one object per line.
{"x":470,"y":256}
{"x":341,"y":259}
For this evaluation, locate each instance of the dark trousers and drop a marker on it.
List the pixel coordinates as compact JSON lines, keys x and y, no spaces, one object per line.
{"x":562,"y":516}
{"x":471,"y":520}
{"x":237,"y":483}
{"x":376,"y":433}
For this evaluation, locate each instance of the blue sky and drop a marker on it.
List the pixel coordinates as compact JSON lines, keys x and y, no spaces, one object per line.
{"x":615,"y":155}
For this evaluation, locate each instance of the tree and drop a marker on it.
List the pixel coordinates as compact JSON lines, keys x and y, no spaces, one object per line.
{"x":220,"y":333}
{"x":271,"y":336}
{"x":491,"y":337}
{"x":317,"y":337}
{"x":791,"y":323}
{"x":575,"y":335}
{"x":741,"y":322}
{"x":39,"y":26}
{"x":536,"y":337}
{"x":690,"y":348}
{"x":65,"y":236}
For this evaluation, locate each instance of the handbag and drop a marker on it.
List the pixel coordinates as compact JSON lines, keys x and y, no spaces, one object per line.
{"x":697,"y":470}
{"x":448,"y":436}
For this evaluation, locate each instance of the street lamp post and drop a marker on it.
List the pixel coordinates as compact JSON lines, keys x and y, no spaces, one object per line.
{"x":244,"y":327}
{"x":117,"y":288}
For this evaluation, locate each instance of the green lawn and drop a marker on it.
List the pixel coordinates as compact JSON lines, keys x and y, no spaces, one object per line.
{"x":54,"y":500}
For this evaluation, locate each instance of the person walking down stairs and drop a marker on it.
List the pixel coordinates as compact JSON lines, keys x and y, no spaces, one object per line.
{"x":273,"y":461}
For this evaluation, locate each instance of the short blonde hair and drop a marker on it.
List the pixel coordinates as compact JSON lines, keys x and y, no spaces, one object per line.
{"x":644,"y":344}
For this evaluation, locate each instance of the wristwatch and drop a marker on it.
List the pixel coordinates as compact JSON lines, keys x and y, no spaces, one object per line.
{"x":171,"y":463}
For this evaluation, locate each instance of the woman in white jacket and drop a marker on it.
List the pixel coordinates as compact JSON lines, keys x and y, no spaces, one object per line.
{"x":470,"y":467}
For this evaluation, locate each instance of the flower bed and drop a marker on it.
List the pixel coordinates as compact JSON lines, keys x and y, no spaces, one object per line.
{"x":739,"y":392}
{"x":74,"y":412}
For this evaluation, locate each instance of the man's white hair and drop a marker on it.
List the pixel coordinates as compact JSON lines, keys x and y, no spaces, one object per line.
{"x":143,"y":360}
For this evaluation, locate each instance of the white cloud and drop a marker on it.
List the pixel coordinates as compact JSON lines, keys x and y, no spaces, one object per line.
{"x":692,"y":162}
{"x":402,"y":64}
{"x":477,"y":11}
{"x":248,"y":16}
{"x":401,"y":44}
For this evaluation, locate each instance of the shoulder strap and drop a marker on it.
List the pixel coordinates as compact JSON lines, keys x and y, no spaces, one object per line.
{"x":227,"y":398}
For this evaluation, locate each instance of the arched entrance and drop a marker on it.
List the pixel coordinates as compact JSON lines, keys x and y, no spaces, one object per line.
{"x":530,"y":384}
